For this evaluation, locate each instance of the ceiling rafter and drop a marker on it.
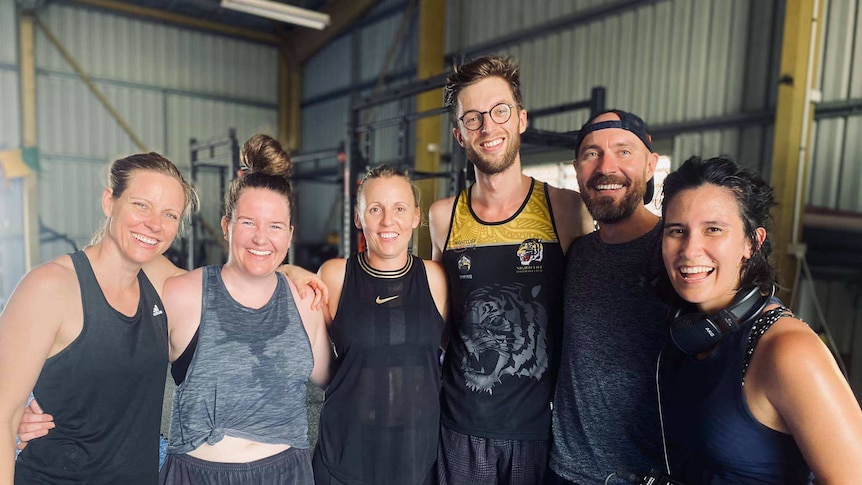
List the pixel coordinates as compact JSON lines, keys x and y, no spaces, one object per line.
{"x":302,"y":44}
{"x":182,"y":20}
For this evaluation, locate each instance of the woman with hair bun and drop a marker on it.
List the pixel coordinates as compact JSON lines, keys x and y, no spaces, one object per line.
{"x":757,"y":398}
{"x":243,"y":344}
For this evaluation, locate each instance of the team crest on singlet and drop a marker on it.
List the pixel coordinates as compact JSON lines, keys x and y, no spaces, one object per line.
{"x":464,"y":264}
{"x":529,"y":251}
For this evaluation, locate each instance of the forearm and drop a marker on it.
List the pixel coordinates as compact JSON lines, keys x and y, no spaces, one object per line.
{"x":7,"y":453}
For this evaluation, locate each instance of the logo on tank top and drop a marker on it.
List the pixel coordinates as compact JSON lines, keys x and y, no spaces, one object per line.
{"x":464,"y":267}
{"x":381,"y":301}
{"x":530,"y":251}
{"x":157,"y":311}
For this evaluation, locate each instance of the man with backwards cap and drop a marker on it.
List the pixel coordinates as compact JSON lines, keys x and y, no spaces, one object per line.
{"x":605,"y":417}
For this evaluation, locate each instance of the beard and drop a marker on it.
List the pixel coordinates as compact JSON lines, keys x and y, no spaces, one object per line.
{"x":603,"y":208}
{"x":489,"y":167}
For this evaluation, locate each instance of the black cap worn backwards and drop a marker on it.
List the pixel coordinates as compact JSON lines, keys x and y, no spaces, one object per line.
{"x":629,"y":122}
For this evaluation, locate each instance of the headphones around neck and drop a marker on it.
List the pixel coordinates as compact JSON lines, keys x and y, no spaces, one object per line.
{"x":694,"y":333}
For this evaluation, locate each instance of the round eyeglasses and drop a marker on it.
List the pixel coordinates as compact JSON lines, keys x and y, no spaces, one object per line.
{"x":473,"y":119}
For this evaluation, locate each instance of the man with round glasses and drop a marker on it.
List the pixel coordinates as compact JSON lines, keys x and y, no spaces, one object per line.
{"x":500,"y":113}
{"x":502,"y":246}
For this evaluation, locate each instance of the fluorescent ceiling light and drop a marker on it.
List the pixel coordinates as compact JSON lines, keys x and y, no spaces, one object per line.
{"x":279,"y":11}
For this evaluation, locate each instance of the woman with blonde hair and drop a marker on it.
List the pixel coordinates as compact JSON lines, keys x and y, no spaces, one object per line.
{"x":87,"y":333}
{"x":380,"y":419}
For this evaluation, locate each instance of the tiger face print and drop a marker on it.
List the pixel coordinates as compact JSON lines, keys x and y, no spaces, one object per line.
{"x":503,"y":335}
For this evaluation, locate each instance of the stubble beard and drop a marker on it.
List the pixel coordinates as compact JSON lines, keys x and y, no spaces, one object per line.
{"x":489,"y":167}
{"x":604,"y":209}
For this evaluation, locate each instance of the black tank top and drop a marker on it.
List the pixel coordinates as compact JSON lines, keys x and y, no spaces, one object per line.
{"x":105,"y":392}
{"x":380,"y":419}
{"x":506,"y":290}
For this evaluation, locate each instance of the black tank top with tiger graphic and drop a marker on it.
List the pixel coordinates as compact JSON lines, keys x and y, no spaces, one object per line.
{"x":506,"y":291}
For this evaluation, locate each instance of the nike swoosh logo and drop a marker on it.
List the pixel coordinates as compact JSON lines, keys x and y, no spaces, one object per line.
{"x":381,"y":301}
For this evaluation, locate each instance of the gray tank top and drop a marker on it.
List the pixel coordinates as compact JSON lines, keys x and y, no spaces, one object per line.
{"x":248,"y":374}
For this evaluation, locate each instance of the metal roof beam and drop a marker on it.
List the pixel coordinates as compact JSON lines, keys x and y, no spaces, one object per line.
{"x":181,"y":20}
{"x":302,"y":44}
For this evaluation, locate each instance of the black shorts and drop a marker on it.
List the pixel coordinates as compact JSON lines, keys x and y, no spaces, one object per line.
{"x":290,"y":467}
{"x":322,"y":475}
{"x":471,"y":460}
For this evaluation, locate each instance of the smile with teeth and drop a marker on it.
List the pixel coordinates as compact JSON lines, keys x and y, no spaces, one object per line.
{"x":609,"y":186}
{"x":492,"y":143}
{"x":388,"y":235}
{"x":145,"y":239}
{"x":695,"y":272}
{"x":259,"y":253}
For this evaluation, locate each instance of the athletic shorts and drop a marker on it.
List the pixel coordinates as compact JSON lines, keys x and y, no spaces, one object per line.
{"x":290,"y":467}
{"x":471,"y":460}
{"x":322,"y":475}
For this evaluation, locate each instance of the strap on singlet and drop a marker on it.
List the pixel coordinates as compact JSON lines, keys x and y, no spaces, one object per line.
{"x":451,"y":221}
{"x":758,"y":328}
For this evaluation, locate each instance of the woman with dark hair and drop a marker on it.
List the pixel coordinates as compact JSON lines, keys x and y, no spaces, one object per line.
{"x":243,"y":344}
{"x":757,"y":397}
{"x":86,"y":332}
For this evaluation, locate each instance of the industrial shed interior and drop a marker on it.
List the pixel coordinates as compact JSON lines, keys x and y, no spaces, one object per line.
{"x":83,"y":82}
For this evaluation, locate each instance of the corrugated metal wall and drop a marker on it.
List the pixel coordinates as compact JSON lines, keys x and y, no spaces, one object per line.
{"x":152,"y":55}
{"x":11,"y":237}
{"x":835,"y":180}
{"x":671,"y":61}
{"x":836,"y":166}
{"x":169,"y":85}
{"x":354,"y":59}
{"x":10,"y":109}
{"x":11,"y":202}
{"x":8,"y":33}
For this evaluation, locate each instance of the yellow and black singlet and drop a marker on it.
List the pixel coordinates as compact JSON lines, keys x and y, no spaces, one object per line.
{"x":506,"y":291}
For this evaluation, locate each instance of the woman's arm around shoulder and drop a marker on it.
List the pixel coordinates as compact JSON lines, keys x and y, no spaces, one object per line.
{"x":332,"y":274}
{"x":800,"y":379}
{"x":182,"y":300}
{"x":318,"y":338}
{"x":159,"y":270}
{"x":439,"y":286}
{"x":30,"y":332}
{"x":305,"y":282}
